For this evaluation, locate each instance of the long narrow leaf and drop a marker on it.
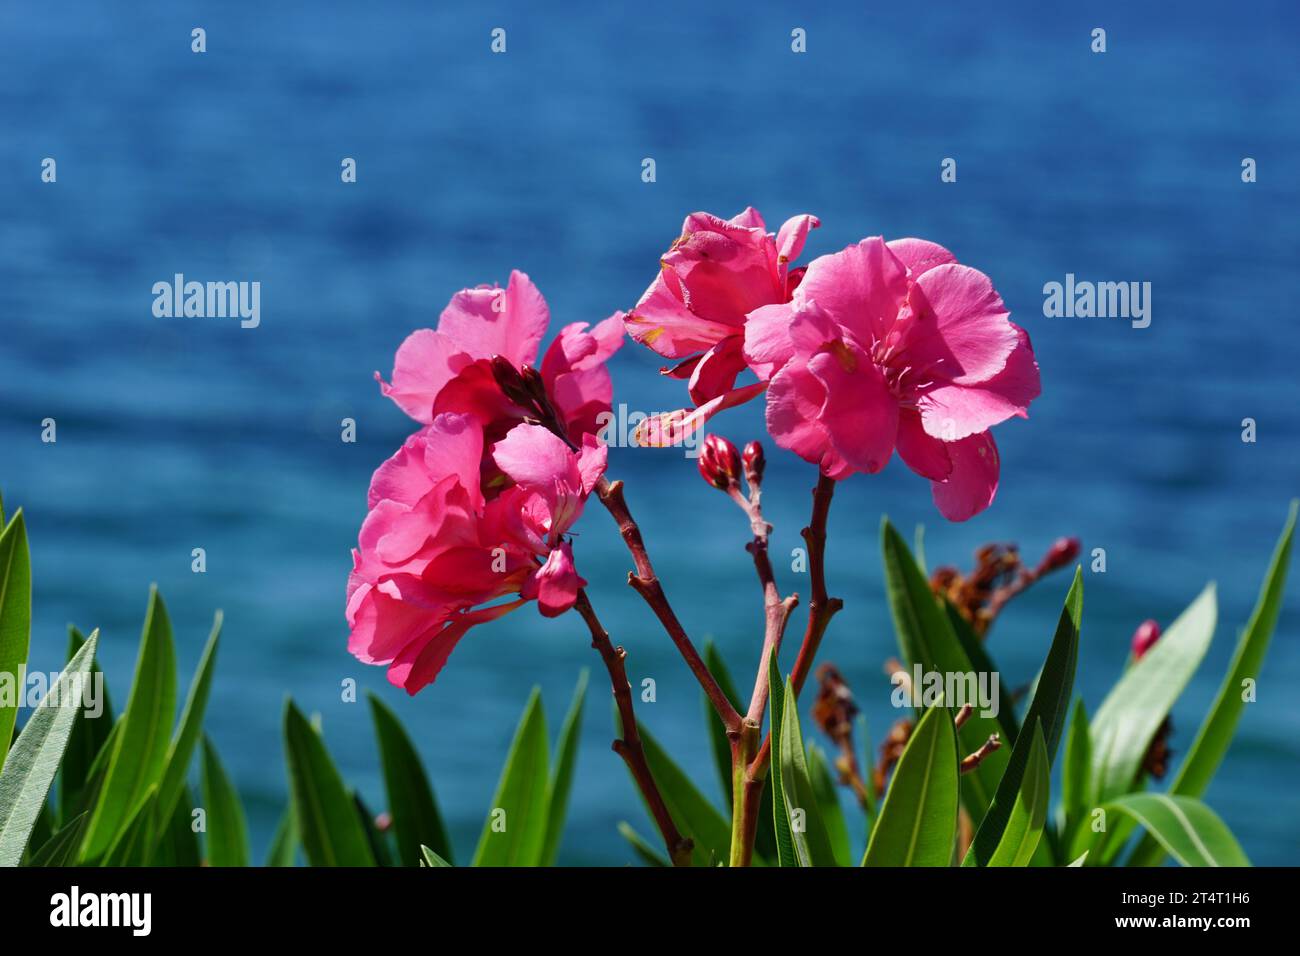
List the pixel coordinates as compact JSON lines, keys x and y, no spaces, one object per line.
{"x":515,"y":830}
{"x":566,"y":758}
{"x":1050,"y":710}
{"x":917,"y":825}
{"x":1188,"y":830}
{"x":1029,"y":815}
{"x":227,"y":833}
{"x":29,"y":772}
{"x":15,"y":618}
{"x":90,"y":734}
{"x":416,"y":818}
{"x":327,"y":821}
{"x":140,"y":747}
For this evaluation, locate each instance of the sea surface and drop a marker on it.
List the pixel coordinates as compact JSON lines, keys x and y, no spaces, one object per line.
{"x":175,"y":434}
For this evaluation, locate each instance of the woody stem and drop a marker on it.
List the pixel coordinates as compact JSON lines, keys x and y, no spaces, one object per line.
{"x":646,"y":583}
{"x":628,"y":746}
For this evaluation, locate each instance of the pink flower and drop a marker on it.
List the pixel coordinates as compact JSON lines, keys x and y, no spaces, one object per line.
{"x":895,"y":345}
{"x":438,"y":549}
{"x":710,"y":282}
{"x":449,"y":369}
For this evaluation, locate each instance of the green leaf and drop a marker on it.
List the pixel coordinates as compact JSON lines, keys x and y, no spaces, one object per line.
{"x":828,"y":805}
{"x":1080,"y":861}
{"x":515,"y":830}
{"x":416,"y":819}
{"x":926,"y":637}
{"x":89,"y":736}
{"x":696,"y":818}
{"x":326,"y":818}
{"x":430,"y":858}
{"x":785,"y":848}
{"x":131,"y":848}
{"x":917,"y":825}
{"x":566,"y":758}
{"x":61,"y":849}
{"x":181,"y":751}
{"x":812,"y":846}
{"x":179,"y":844}
{"x":284,"y":843}
{"x":29,"y":772}
{"x":1215,"y":735}
{"x":1135,"y":708}
{"x":227,"y":835}
{"x":1075,"y":780}
{"x":140,"y":747}
{"x":15,"y":619}
{"x":1049,"y":709}
{"x":1189,"y":830}
{"x":1028,"y":817}
{"x":648,"y":854}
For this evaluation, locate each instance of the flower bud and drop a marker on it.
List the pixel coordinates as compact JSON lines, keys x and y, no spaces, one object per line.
{"x":719,"y":462}
{"x":755,"y":462}
{"x":1144,"y":638}
{"x":1061,"y":553}
{"x":510,"y":381}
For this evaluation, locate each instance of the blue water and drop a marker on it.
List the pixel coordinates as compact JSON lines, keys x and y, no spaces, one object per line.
{"x":177,"y":434}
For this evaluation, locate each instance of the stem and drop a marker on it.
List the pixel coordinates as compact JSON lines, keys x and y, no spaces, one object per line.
{"x":744,"y":820}
{"x":821,"y":608}
{"x":646,"y":583}
{"x":629,"y":745}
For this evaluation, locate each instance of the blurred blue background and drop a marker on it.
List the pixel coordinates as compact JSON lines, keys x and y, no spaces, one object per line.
{"x":183,"y":433}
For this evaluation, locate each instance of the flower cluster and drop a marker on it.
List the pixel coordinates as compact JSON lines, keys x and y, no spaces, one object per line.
{"x":881,"y":346}
{"x":467,"y":521}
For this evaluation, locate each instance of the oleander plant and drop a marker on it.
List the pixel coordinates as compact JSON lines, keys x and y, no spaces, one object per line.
{"x":880,"y":347}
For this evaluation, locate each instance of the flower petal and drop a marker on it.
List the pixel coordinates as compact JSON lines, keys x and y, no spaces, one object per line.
{"x":974,"y":480}
{"x":961,"y":330}
{"x":859,"y":414}
{"x":425,"y":362}
{"x":487,"y":320}
{"x":951,"y":412}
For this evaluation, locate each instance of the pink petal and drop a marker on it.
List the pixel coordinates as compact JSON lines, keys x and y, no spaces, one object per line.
{"x":961,"y":329}
{"x":790,"y":240}
{"x":488,"y":321}
{"x":794,"y":402}
{"x":420,"y":664}
{"x":919,"y":256}
{"x":861,"y":288}
{"x":716,"y":371}
{"x":767,"y":339}
{"x":661,"y":321}
{"x":974,"y":480}
{"x":748,"y":217}
{"x":926,"y":456}
{"x":425,"y":362}
{"x":859,"y":414}
{"x":536,"y":459}
{"x":951,"y":412}
{"x":556,"y":583}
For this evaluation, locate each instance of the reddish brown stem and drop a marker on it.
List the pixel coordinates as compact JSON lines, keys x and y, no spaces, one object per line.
{"x":629,"y":745}
{"x":646,"y":583}
{"x":821,"y":608}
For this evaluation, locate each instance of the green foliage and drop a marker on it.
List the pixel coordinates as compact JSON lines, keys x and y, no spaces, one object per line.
{"x":917,"y":825}
{"x":15,"y":617}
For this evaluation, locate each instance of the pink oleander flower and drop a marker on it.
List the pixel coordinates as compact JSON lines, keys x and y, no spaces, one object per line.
{"x":710,"y":282}
{"x":895,"y":345}
{"x":439,"y":553}
{"x":467,"y":521}
{"x":450,"y":369}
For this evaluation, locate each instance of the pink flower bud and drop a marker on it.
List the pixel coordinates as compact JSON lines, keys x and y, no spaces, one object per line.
{"x":755,"y":462}
{"x":1144,"y":638}
{"x":719,"y":462}
{"x":1061,"y":553}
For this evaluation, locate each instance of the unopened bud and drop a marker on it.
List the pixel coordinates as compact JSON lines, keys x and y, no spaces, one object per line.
{"x":719,"y":462}
{"x":1061,"y":553}
{"x":510,"y":380}
{"x":1144,"y":638}
{"x":755,"y":462}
